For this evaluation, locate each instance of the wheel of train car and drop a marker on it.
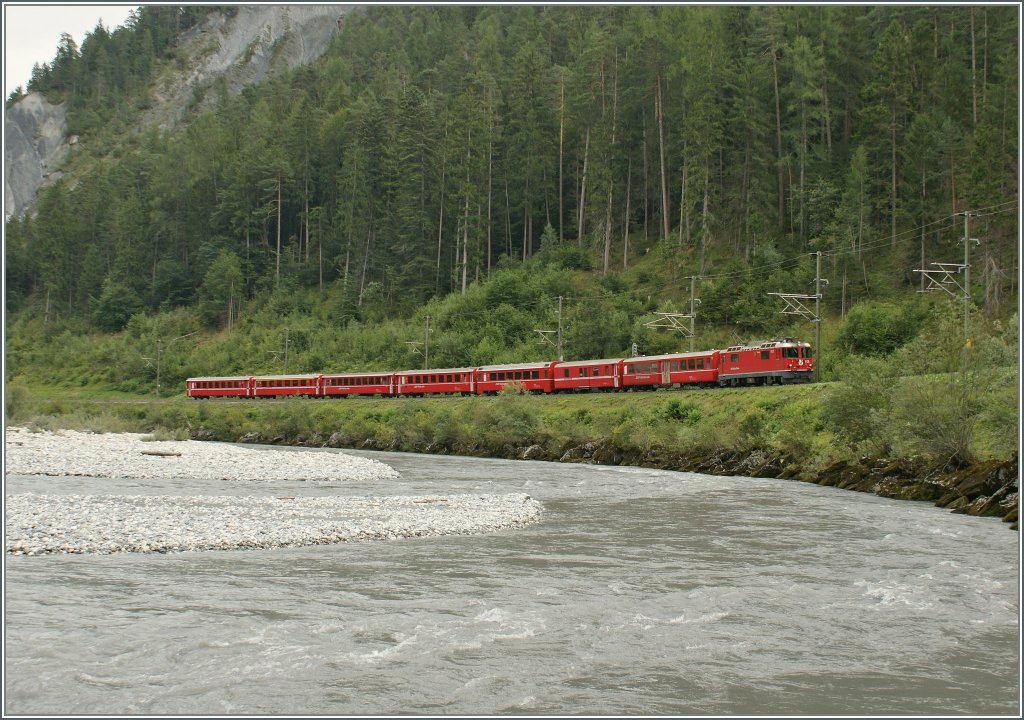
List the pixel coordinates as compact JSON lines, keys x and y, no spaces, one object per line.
{"x":768,"y":380}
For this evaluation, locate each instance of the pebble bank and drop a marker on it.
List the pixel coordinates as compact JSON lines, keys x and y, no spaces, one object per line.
{"x":41,"y":523}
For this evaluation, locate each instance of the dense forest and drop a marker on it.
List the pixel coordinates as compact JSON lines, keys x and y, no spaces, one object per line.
{"x":432,"y":148}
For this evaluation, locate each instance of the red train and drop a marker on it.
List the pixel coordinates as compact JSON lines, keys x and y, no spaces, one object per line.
{"x":780,"y":360}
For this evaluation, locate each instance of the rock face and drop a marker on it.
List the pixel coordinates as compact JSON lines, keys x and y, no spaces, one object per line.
{"x":35,"y":145}
{"x":242,"y":50}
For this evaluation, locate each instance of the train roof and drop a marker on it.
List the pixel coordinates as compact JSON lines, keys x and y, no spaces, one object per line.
{"x":434,"y":371}
{"x":672,"y":356}
{"x":517,"y":366}
{"x":220,"y":379}
{"x":307,"y":376}
{"x":774,"y":342}
{"x":583,"y":363}
{"x":365,"y":373}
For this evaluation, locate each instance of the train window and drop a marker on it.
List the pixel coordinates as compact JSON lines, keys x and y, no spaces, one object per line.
{"x":700,"y":363}
{"x":807,"y":352}
{"x":765,"y":354}
{"x":790,"y":352}
{"x":734,"y":357}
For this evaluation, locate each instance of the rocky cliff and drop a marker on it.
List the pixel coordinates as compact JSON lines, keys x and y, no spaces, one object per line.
{"x":35,"y":144}
{"x":244,"y":49}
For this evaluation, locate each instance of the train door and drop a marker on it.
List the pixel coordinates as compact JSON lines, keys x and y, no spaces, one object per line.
{"x":666,"y":378}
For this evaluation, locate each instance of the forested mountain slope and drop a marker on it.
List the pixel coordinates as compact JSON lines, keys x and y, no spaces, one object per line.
{"x":430,"y":145}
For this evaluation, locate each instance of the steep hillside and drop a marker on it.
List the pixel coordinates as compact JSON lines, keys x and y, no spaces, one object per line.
{"x":227,"y":50}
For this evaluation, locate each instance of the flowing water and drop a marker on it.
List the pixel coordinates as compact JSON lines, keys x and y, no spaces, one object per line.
{"x":639,"y":592}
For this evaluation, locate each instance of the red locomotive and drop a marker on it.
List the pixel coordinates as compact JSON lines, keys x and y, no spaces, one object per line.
{"x":780,"y":360}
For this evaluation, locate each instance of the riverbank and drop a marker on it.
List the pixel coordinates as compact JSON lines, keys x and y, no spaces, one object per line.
{"x":41,"y":523}
{"x":984,"y":489}
{"x":778,"y":432}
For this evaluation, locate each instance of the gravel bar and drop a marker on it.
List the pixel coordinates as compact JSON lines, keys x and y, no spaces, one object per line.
{"x":68,"y":452}
{"x":42,"y":523}
{"x":45,"y":524}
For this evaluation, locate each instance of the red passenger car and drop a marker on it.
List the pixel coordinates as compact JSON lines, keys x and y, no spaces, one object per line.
{"x":644,"y":373}
{"x":219,"y":387}
{"x":343,"y":385}
{"x":587,"y":375}
{"x":286,"y":385}
{"x":417,"y":383}
{"x":778,"y":360}
{"x":532,"y":377}
{"x":697,"y":369}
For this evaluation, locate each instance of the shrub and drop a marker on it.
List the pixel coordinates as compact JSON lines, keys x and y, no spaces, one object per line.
{"x":16,"y":402}
{"x":860,"y":408}
{"x":681,"y":411}
{"x":874,"y":328}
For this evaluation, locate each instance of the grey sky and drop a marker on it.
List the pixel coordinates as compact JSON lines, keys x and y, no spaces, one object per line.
{"x":32,"y":31}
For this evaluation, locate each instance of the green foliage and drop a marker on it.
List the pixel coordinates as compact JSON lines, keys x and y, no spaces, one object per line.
{"x":16,"y":402}
{"x":221,"y":291}
{"x":681,"y":411}
{"x":861,"y":407}
{"x":115,"y":306}
{"x":879,"y":328}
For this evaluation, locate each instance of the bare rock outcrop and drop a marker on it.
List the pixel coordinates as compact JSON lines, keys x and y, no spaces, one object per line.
{"x":35,"y":145}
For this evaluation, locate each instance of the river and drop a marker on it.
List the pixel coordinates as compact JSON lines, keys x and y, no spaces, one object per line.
{"x":639,"y":592}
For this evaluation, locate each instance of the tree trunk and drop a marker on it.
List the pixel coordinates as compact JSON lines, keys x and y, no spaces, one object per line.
{"x":625,"y":232}
{"x":746,"y":201}
{"x":922,"y":226}
{"x":659,"y":112}
{"x":561,"y":143}
{"x":778,"y":132}
{"x":465,"y":244}
{"x":465,"y":212}
{"x":490,"y":169}
{"x":705,"y":233}
{"x":508,"y":219}
{"x":366,"y":260}
{"x":974,"y":74}
{"x":803,"y":165}
{"x":440,"y":224}
{"x":894,"y":176}
{"x":277,"y":262}
{"x":828,"y":121}
{"x":608,"y":231}
{"x":647,"y":189}
{"x":583,"y":190}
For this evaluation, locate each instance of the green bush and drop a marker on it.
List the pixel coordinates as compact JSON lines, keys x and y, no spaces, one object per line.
{"x":860,"y":408}
{"x":16,"y":402}
{"x":682,"y":411}
{"x":877,"y":328}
